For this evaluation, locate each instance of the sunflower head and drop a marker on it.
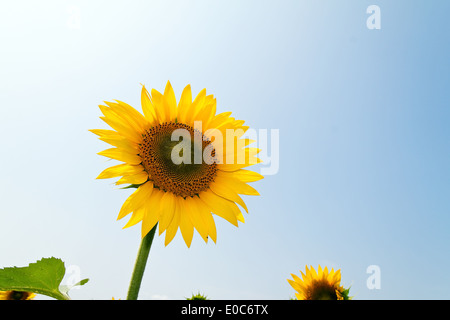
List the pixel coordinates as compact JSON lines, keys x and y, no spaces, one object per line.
{"x":321,"y":285}
{"x":198,"y":296}
{"x":16,"y":295}
{"x":185,"y":161}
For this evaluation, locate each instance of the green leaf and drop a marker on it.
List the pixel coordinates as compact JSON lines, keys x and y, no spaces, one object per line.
{"x":43,"y":277}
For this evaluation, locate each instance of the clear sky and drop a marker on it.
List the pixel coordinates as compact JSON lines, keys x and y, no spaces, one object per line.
{"x":364,"y":140}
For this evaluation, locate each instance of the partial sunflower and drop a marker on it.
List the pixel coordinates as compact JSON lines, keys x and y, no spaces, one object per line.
{"x":16,"y":295}
{"x":198,"y":296}
{"x":179,"y":184}
{"x":323,"y":285}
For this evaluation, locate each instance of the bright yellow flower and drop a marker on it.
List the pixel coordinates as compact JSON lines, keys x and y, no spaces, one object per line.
{"x":16,"y":295}
{"x":323,"y":285}
{"x":178,"y":193}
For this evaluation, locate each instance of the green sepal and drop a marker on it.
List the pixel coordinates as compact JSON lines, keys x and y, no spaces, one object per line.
{"x":131,"y":186}
{"x":345,"y":294}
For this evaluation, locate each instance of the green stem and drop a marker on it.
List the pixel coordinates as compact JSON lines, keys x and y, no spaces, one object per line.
{"x":139,"y":266}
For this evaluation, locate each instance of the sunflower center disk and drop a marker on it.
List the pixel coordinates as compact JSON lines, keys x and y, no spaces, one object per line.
{"x":178,"y":159}
{"x":323,"y":291}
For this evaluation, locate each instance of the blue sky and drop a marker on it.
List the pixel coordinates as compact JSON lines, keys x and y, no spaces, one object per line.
{"x":363,"y":119}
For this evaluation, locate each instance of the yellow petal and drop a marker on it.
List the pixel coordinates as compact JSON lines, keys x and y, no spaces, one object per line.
{"x":127,"y":112}
{"x":123,"y":129}
{"x":209,"y":112}
{"x":241,"y":156}
{"x":105,"y":132}
{"x":219,"y":120}
{"x":113,"y":172}
{"x":122,"y":120}
{"x":313,"y":273}
{"x":186,"y":227}
{"x":122,"y":143}
{"x":240,"y":217}
{"x":239,"y":162}
{"x":170,"y":103}
{"x":237,"y":185}
{"x":147,"y":106}
{"x":174,"y":224}
{"x":295,"y":285}
{"x":206,"y":216}
{"x":152,"y":212}
{"x":136,"y":199}
{"x":229,"y":148}
{"x":120,"y":170}
{"x":246,"y":175}
{"x":206,"y":111}
{"x":136,"y":217}
{"x":227,"y":193}
{"x":192,"y":211}
{"x":167,"y":208}
{"x":120,"y":155}
{"x":195,"y":107}
{"x":221,"y":207}
{"x":138,"y":178}
{"x":158,"y":105}
{"x":184,"y":104}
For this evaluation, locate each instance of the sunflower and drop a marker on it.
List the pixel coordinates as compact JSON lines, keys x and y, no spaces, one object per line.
{"x":178,"y":184}
{"x":323,"y":285}
{"x":16,"y":295}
